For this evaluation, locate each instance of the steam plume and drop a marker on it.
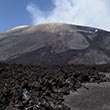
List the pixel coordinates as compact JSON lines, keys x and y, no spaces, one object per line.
{"x":93,"y":13}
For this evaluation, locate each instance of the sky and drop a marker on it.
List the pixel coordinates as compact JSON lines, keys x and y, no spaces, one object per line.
{"x":95,"y":13}
{"x":14,"y":12}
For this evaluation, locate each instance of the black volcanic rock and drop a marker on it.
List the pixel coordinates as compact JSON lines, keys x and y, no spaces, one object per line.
{"x":55,"y":44}
{"x":27,"y":87}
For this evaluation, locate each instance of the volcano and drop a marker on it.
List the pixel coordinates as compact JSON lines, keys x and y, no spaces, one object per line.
{"x":55,"y":43}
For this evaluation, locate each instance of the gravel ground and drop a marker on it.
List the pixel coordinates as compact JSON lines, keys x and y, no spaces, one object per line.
{"x":97,"y":97}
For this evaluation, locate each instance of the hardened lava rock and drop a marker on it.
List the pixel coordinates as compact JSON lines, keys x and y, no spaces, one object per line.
{"x":28,"y":87}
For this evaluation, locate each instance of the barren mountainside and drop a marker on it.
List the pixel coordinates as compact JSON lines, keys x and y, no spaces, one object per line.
{"x":55,"y":43}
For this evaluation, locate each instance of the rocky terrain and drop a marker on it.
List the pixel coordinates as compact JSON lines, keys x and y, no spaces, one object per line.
{"x":41,"y":87}
{"x":43,"y":64}
{"x":55,"y":43}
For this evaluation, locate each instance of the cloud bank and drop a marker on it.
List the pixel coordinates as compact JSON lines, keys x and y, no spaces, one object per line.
{"x":93,"y":13}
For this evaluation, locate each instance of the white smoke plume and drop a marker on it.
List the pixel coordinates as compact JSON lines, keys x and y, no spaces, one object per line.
{"x":93,"y":13}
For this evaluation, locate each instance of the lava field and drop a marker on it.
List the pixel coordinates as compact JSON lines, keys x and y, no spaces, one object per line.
{"x":29,"y":87}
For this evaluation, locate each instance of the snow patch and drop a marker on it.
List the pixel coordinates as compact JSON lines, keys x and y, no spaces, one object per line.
{"x":18,"y":28}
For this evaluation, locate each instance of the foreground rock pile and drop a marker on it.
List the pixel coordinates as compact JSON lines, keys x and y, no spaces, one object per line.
{"x":42,"y":87}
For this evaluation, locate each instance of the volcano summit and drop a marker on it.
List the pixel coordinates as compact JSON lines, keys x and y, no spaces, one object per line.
{"x":55,"y":43}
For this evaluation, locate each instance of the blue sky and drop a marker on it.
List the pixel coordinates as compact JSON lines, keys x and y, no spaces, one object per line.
{"x":13,"y":12}
{"x":94,"y":13}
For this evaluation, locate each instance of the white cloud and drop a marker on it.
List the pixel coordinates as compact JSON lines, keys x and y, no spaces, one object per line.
{"x":93,"y":13}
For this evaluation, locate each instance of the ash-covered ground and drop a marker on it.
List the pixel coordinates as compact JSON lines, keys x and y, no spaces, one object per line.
{"x":27,"y":87}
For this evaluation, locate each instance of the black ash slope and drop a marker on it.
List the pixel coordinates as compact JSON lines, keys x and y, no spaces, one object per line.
{"x":55,"y":43}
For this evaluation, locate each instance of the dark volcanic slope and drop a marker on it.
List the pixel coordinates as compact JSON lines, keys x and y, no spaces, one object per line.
{"x":55,"y":44}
